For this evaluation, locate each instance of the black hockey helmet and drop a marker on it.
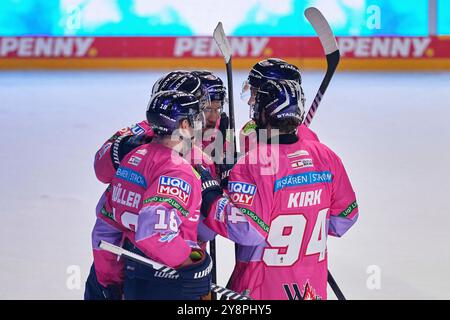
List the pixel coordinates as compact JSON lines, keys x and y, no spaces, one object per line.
{"x":167,"y":78}
{"x":269,"y":69}
{"x":280,"y":100}
{"x":167,"y":108}
{"x":213,"y":84}
{"x":188,"y":83}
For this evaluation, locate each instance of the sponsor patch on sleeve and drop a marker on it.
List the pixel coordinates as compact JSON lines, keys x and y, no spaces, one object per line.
{"x":168,"y":237}
{"x":104,"y":149}
{"x":125,"y":132}
{"x":220,"y":210}
{"x":175,"y":187}
{"x":348,"y":210}
{"x":137,"y":129}
{"x":242,"y":193}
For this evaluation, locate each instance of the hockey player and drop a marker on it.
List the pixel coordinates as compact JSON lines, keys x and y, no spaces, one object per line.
{"x":108,"y":157}
{"x":215,"y":120}
{"x":280,"y":218}
{"x":123,"y":141}
{"x":268,"y":69}
{"x":217,"y":95}
{"x":153,"y":208}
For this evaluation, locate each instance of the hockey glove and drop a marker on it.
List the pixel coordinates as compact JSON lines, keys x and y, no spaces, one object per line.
{"x":225,"y":170}
{"x":196,"y":278}
{"x":210,"y":190}
{"x":124,"y":144}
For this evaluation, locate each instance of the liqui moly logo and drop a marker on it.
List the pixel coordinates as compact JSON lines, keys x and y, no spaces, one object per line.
{"x":385,"y":47}
{"x":174,"y":187}
{"x":206,"y":47}
{"x":42,"y":47}
{"x":242,"y":193}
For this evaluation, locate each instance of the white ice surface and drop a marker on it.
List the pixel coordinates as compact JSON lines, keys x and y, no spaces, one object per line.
{"x":391,"y":130}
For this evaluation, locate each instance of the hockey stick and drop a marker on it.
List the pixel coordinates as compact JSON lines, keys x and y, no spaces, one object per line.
{"x":224,"y":46}
{"x":329,"y":44}
{"x":165,"y":269}
{"x":337,"y":291}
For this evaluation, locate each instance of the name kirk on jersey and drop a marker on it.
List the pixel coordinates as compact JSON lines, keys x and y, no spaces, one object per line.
{"x":304,"y":199}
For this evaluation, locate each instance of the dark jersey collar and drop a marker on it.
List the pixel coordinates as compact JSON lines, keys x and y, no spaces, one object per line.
{"x":289,"y":138}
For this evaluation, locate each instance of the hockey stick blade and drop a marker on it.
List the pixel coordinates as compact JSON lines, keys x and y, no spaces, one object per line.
{"x":225,"y":48}
{"x":135,"y":257}
{"x":331,"y":49}
{"x":170,"y":271}
{"x":323,"y":29}
{"x":222,"y":42}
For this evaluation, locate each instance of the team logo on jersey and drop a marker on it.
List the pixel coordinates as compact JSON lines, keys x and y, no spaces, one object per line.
{"x":302,"y":163}
{"x":104,"y":149}
{"x":174,"y":187}
{"x":134,"y":161}
{"x":304,"y":199}
{"x":242,"y":193}
{"x":308,"y":292}
{"x":137,"y":129}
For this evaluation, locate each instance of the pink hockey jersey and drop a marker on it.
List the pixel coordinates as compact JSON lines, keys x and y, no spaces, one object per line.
{"x":247,"y":135}
{"x":104,"y":166}
{"x":154,"y":201}
{"x":279,"y":212}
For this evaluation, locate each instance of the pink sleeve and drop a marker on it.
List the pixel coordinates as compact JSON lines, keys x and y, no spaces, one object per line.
{"x":344,"y":208}
{"x":236,"y":216}
{"x":167,"y":223}
{"x":108,"y":268}
{"x":103,"y":162}
{"x":103,"y":166}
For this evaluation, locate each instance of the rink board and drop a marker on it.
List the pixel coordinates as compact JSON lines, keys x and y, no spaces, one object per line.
{"x":358,"y":53}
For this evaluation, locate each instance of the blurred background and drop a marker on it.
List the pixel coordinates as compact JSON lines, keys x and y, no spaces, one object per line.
{"x":197,"y":17}
{"x":73,"y":72}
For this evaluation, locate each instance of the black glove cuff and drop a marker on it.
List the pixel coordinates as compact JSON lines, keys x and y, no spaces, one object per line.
{"x":208,"y":198}
{"x":209,"y":184}
{"x":117,"y":152}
